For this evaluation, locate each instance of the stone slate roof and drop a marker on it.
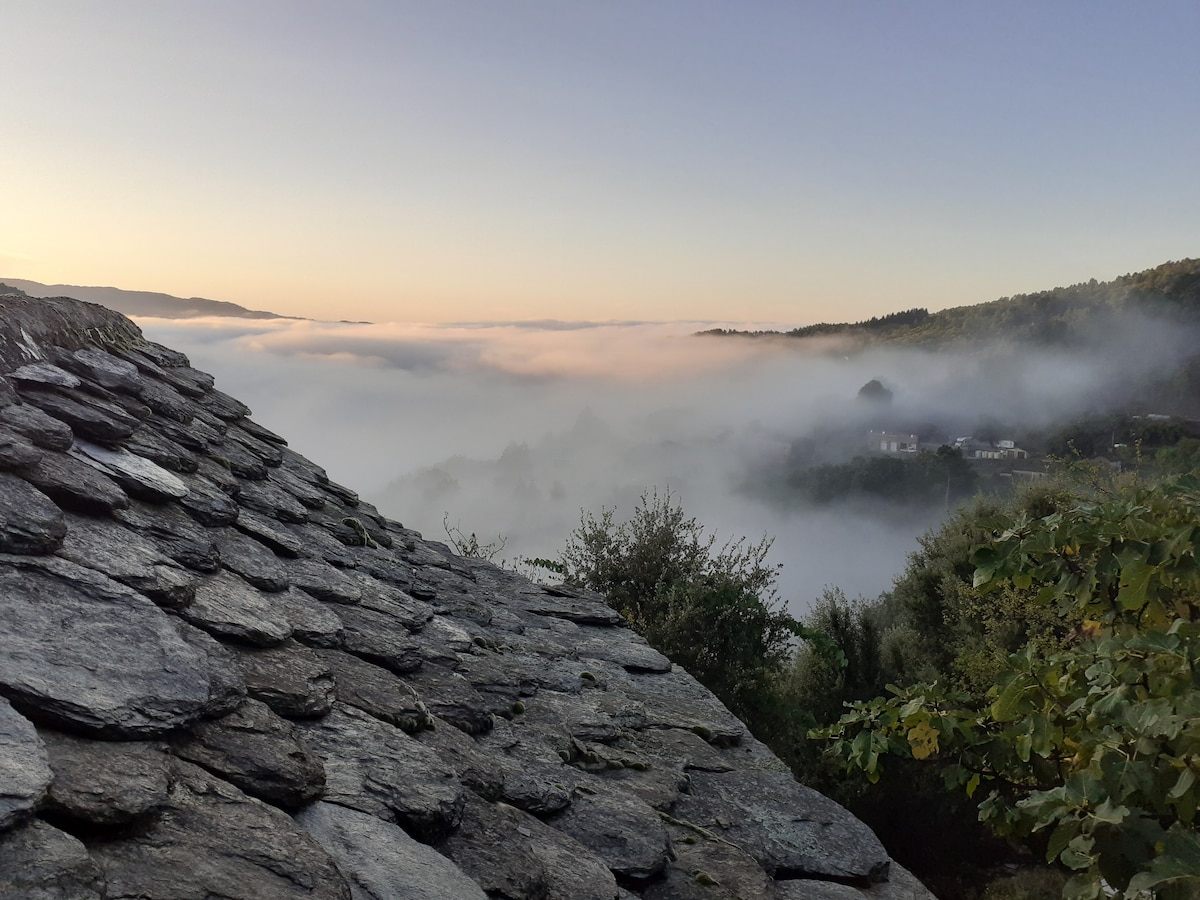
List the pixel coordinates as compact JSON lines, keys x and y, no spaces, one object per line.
{"x":224,"y":676}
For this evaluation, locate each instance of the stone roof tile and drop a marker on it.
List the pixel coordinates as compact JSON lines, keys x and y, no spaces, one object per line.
{"x":289,"y":695}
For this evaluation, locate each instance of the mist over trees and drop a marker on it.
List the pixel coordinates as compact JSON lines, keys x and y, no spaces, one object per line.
{"x":1061,"y":315}
{"x":514,"y":428}
{"x":972,"y":421}
{"x":791,"y":443}
{"x":1032,"y":671}
{"x":1037,"y":655}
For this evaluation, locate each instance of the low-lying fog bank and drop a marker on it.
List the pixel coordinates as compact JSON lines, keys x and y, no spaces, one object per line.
{"x":512,"y":429}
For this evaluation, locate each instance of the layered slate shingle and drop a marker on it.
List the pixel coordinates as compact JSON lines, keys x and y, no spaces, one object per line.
{"x":224,"y":675}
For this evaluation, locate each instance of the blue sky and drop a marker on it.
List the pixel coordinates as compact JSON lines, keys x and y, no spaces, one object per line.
{"x":782,"y":162}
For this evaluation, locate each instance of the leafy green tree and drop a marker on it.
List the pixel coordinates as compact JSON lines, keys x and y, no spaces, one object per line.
{"x":712,"y":610}
{"x":636,"y":562}
{"x":937,"y":625}
{"x":1092,"y":748}
{"x":874,"y":392}
{"x":1182,"y":459}
{"x":925,"y":479}
{"x":1076,"y":440}
{"x":825,"y":680}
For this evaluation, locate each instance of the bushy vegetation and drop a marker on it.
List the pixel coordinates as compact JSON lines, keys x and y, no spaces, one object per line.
{"x":1036,"y":669}
{"x":1181,"y":459}
{"x":712,"y":610}
{"x":469,"y":546}
{"x":1083,"y":739}
{"x":926,"y":479}
{"x":1030,"y":686}
{"x":887,"y":324}
{"x":1124,"y":436}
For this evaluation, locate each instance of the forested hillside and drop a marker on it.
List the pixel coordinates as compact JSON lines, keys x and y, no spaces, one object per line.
{"x":1060,"y":315}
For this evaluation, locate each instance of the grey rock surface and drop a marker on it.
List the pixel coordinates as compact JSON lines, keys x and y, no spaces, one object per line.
{"x":214,"y":841}
{"x":40,"y":373}
{"x":573,"y":871}
{"x":376,"y":638}
{"x":791,"y":830}
{"x":901,"y":885}
{"x":228,"y":607}
{"x":704,"y":867}
{"x":24,"y":767}
{"x":175,"y":533}
{"x":621,"y":830}
{"x":16,"y":450}
{"x":160,"y":449}
{"x":475,"y":769}
{"x":381,"y":862}
{"x":207,"y":503}
{"x":450,"y":696}
{"x":32,"y":327}
{"x":378,"y":769}
{"x":290,"y":678}
{"x":513,"y":855}
{"x":127,"y":557}
{"x":241,"y":462}
{"x":39,"y":862}
{"x":270,"y":499}
{"x":73,"y":484}
{"x":272,"y":534}
{"x":106,"y":782}
{"x":313,"y":623}
{"x":490,"y":847}
{"x":104,"y":369}
{"x":257,"y":751}
{"x":138,"y":476}
{"x":201,"y":634}
{"x":29,"y":520}
{"x":323,"y":581}
{"x":88,"y":417}
{"x":41,"y":429}
{"x":83,"y":651}
{"x":375,"y":691}
{"x":251,"y":560}
{"x":189,"y":381}
{"x":167,"y":402}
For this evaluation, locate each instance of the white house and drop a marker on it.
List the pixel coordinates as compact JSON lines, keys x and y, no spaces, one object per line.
{"x":886,"y":442}
{"x":973,"y":449}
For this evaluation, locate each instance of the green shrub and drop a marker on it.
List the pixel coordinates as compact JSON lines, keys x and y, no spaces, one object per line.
{"x":1090,"y":748}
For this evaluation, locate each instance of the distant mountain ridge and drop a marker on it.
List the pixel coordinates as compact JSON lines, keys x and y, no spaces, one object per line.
{"x":1171,"y":290}
{"x":141,"y":303}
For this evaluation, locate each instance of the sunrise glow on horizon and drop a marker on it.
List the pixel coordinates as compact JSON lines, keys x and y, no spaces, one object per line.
{"x":459,"y":161}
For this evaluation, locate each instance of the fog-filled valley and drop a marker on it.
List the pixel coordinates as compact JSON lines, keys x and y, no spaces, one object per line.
{"x":600,"y":451}
{"x":943,"y":513}
{"x":509,"y":430}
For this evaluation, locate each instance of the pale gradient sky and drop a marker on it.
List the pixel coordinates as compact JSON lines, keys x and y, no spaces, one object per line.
{"x":681,"y":159}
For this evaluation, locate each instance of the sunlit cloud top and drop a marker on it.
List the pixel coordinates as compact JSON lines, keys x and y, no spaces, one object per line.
{"x":620,"y":352}
{"x":516,"y":428}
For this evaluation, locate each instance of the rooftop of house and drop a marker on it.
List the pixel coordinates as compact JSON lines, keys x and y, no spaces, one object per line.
{"x":222,"y":674}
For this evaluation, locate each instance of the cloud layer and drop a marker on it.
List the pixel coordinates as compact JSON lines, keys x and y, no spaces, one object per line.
{"x":514,"y":428}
